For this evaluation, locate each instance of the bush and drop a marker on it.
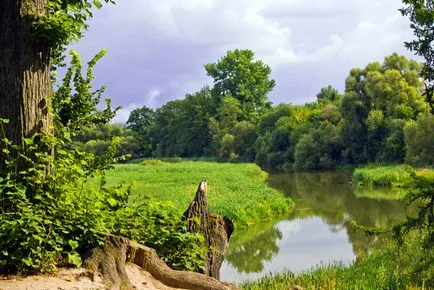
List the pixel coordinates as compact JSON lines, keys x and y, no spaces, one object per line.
{"x":319,"y":149}
{"x":152,"y":162}
{"x":49,"y":219}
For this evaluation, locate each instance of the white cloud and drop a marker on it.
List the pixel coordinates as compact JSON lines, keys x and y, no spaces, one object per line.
{"x":123,"y":114}
{"x":150,"y":101}
{"x":164,"y":43}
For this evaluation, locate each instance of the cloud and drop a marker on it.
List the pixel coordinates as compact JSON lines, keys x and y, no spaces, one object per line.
{"x":150,"y":101}
{"x":308,"y":44}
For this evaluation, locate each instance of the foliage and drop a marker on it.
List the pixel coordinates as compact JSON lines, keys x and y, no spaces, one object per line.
{"x":237,"y":191}
{"x":319,"y":149}
{"x":182,"y":126}
{"x":245,"y":136}
{"x":141,"y":121}
{"x":422,"y":194}
{"x":421,"y":15}
{"x":329,"y":94}
{"x":419,"y":139}
{"x":64,"y":22}
{"x":153,"y":223}
{"x":49,"y":216}
{"x":375,"y":96}
{"x":245,"y":79}
{"x":97,"y":139}
{"x":417,"y":231}
{"x":365,"y":125}
{"x":74,"y":105}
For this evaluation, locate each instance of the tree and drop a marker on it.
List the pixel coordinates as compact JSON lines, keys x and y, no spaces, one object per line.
{"x":319,"y":149}
{"x":421,"y":15}
{"x":419,"y":138}
{"x":141,"y":121}
{"x":375,"y":95}
{"x":182,"y":126}
{"x":245,"y":79}
{"x":245,"y":136}
{"x":328,"y":94}
{"x":33,"y":34}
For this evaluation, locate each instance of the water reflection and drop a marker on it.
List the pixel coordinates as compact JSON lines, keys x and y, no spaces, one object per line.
{"x":318,"y":230}
{"x":251,"y":249}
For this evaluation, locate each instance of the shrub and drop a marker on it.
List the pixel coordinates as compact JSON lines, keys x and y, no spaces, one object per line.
{"x":152,"y":162}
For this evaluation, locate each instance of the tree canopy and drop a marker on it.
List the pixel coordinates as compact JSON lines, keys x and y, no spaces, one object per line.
{"x":245,"y":79}
{"x":421,"y":15}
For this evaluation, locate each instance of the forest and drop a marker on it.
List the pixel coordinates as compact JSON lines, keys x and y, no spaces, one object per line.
{"x":384,"y":116}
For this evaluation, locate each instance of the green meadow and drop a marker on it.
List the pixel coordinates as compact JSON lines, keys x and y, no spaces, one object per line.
{"x":238,"y":191}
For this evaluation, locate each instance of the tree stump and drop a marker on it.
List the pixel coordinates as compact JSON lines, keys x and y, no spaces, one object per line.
{"x":216,"y":230}
{"x":109,"y":260}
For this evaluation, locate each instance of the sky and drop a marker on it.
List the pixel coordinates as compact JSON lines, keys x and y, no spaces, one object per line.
{"x":157,"y":49}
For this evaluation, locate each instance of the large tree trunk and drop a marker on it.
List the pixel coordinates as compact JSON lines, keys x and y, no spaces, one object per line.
{"x":25,"y":82}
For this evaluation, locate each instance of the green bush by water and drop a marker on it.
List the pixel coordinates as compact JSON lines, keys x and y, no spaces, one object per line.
{"x":238,"y":191}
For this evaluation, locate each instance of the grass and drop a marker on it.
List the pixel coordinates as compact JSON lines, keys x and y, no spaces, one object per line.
{"x":384,"y":176}
{"x":238,"y":191}
{"x":375,"y":271}
{"x":385,"y":193}
{"x":386,"y":181}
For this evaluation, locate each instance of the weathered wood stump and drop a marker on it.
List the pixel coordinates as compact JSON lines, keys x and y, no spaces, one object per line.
{"x":216,"y":230}
{"x":110,"y":261}
{"x":148,"y":259}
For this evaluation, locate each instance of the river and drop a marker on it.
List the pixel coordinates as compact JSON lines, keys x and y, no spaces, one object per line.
{"x":317,"y":231}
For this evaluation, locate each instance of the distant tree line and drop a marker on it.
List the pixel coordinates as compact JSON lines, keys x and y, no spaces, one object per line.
{"x":383,"y":116}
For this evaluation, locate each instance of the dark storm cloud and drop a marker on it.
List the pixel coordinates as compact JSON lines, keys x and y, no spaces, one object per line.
{"x":157,"y":48}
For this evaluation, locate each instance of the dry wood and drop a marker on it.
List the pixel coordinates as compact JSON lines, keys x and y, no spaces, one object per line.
{"x":216,"y":230}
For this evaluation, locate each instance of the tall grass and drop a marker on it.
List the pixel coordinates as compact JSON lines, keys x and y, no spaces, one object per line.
{"x":371,"y":272}
{"x":384,"y":176}
{"x":238,"y":191}
{"x":386,"y":182}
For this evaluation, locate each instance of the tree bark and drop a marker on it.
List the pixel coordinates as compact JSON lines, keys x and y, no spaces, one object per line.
{"x":25,"y":83}
{"x":217,"y":230}
{"x":110,"y":260}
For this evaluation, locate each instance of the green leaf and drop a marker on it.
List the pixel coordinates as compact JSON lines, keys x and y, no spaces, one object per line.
{"x":28,"y":261}
{"x":73,"y":244}
{"x":74,"y":259}
{"x":5,"y":121}
{"x":28,"y":141}
{"x":112,"y":201}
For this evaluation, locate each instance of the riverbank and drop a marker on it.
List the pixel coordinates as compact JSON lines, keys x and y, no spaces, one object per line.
{"x":378,"y":270}
{"x":387,"y":181}
{"x":238,"y":191}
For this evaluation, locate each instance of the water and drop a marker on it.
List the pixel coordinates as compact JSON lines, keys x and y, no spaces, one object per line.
{"x":317,"y":231}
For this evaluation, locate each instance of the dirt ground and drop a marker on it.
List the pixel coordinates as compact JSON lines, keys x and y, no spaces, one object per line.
{"x":79,"y":279}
